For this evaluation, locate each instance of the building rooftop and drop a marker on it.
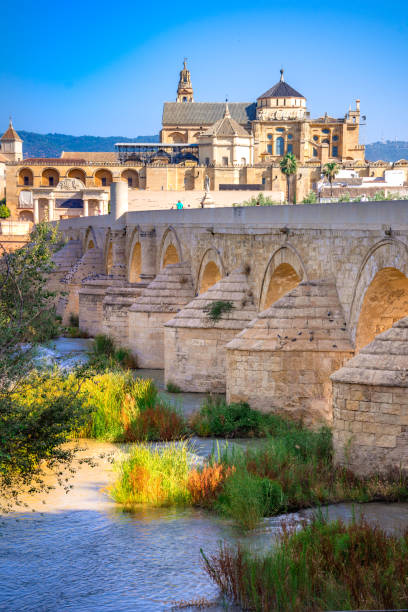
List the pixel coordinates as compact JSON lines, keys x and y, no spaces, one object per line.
{"x":98,"y":156}
{"x":10,"y":133}
{"x":281,"y":90}
{"x":227,"y":126}
{"x":206,"y":113}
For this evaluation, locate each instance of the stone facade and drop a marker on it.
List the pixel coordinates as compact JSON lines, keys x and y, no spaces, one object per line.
{"x":195,"y":355}
{"x":370,"y":405}
{"x":283,"y":360}
{"x":170,"y":291}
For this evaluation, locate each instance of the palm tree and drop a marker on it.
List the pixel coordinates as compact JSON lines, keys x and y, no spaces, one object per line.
{"x":288,"y":165}
{"x":329,"y":171}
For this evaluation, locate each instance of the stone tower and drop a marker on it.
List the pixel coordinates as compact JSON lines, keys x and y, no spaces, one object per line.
{"x":185,"y":89}
{"x":11,"y":145}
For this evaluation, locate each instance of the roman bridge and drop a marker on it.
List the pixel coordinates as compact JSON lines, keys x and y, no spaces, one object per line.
{"x":306,"y":288}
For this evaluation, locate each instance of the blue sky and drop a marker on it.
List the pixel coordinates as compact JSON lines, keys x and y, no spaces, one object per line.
{"x":105,"y":68}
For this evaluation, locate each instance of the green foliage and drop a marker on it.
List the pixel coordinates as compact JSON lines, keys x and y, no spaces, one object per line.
{"x":73,"y":320}
{"x":324,"y":566}
{"x":124,"y":409}
{"x":157,"y":476}
{"x":219,"y":419}
{"x":106,"y":356}
{"x":379,"y":196}
{"x":4,"y":210}
{"x":171,"y":387}
{"x":216,"y":309}
{"x":259,"y":200}
{"x":288,"y":164}
{"x":311,"y":198}
{"x":247,"y":498}
{"x":35,"y":420}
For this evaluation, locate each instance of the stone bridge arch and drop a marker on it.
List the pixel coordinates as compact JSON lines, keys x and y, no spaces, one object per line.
{"x":284,"y":271}
{"x":211,"y":270}
{"x":90,"y":240}
{"x":134,"y":260}
{"x":170,"y":248}
{"x":380,"y":295}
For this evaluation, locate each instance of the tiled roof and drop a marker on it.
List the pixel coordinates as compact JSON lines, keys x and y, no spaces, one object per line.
{"x":281,"y":90}
{"x":227,"y":126}
{"x":98,"y":156}
{"x":206,"y":113}
{"x":54,"y":160}
{"x":11,"y":134}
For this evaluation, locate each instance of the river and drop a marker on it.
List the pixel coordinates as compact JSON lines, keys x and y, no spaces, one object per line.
{"x":80,"y":552}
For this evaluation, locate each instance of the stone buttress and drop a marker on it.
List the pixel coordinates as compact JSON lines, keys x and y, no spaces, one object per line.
{"x":164,"y":296}
{"x":282,"y":361}
{"x":195,"y":345}
{"x":370,"y":405}
{"x":91,"y":262}
{"x":115,"y":310}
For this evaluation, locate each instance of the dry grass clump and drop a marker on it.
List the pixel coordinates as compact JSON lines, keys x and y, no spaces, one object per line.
{"x":325,"y":566}
{"x":205,"y":484}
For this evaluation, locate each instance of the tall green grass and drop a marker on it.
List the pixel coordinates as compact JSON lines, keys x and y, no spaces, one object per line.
{"x":126,"y":409}
{"x":324,"y":566}
{"x":154,"y":476}
{"x":106,"y":356}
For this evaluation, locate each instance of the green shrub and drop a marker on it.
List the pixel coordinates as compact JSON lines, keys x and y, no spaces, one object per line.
{"x":4,"y":211}
{"x":324,"y":566}
{"x":103,"y":345}
{"x":259,"y":200}
{"x":219,"y":419}
{"x":106,"y":356}
{"x":171,"y":387}
{"x":73,"y":320}
{"x":153,"y":476}
{"x":311,"y":198}
{"x":216,"y":309}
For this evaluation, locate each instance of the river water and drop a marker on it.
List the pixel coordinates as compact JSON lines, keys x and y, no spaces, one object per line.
{"x":80,"y":552}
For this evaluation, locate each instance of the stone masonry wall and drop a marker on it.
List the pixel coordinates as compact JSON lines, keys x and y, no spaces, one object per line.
{"x":195,"y":359}
{"x":146,"y":337}
{"x":292,"y":383}
{"x":370,"y":427}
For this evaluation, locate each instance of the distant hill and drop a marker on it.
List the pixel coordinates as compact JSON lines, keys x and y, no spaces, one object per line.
{"x":391,"y":150}
{"x":52,"y":145}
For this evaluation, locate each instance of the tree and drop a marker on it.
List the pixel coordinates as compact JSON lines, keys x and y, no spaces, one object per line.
{"x":329,"y":171}
{"x":288,"y":165}
{"x":4,"y":210}
{"x":31,"y":432}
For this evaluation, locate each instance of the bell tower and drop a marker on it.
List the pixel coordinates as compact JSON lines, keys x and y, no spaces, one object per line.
{"x":11,"y":145}
{"x":185,"y":89}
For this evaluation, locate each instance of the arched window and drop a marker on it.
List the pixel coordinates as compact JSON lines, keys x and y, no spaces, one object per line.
{"x":280,"y":129}
{"x":326,"y":141}
{"x":289,"y":148}
{"x":325,"y":131}
{"x":315,"y":138}
{"x":335,"y":151}
{"x":335,"y":137}
{"x":269,"y":136}
{"x":279,"y":146}
{"x":314,"y":152}
{"x":290,"y":136}
{"x":269,"y":149}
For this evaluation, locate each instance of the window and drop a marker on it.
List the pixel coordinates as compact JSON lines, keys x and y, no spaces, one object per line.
{"x":325,"y":131}
{"x":26,"y":180}
{"x":326,"y":141}
{"x":184,"y":98}
{"x":269,"y":136}
{"x":50,"y":181}
{"x":207,"y":161}
{"x":225,"y":161}
{"x":289,"y":148}
{"x":335,"y":151}
{"x":290,"y":136}
{"x":280,"y":129}
{"x":314,"y":152}
{"x":335,"y":137}
{"x":130,"y":181}
{"x":279,"y":146}
{"x":315,"y":138}
{"x":104,"y":181}
{"x":270,"y":151}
